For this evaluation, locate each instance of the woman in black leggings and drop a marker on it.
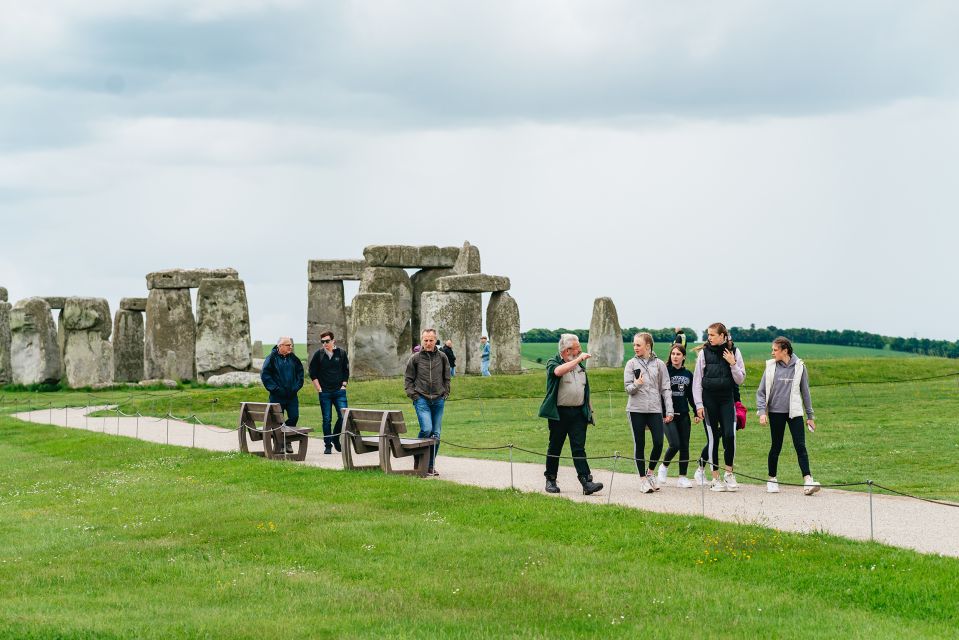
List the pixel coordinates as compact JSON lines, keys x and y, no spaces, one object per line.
{"x":677,"y":431}
{"x":647,"y":386}
{"x":782,"y":396}
{"x":719,"y":368}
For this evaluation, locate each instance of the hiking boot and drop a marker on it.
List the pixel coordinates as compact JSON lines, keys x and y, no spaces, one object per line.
{"x":730,"y":479}
{"x":811,"y":486}
{"x":590,"y":487}
{"x":772,"y":485}
{"x":661,"y":475}
{"x":551,"y":486}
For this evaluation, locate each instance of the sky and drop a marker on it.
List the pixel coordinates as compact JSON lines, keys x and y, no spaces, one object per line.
{"x":788,"y":163}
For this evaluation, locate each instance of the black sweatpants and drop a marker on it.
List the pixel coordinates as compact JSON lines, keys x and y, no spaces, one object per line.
{"x":639,"y":422}
{"x":720,"y":424}
{"x":571,"y":423}
{"x":677,"y":434}
{"x":777,"y":431}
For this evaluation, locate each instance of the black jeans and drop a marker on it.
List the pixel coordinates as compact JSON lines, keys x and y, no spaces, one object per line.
{"x":571,"y":423}
{"x":720,"y":424}
{"x":639,"y":422}
{"x":777,"y":431}
{"x":677,"y":433}
{"x":290,"y":405}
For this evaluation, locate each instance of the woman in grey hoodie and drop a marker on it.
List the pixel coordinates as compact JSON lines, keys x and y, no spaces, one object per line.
{"x":648,"y":387}
{"x":782,"y":396}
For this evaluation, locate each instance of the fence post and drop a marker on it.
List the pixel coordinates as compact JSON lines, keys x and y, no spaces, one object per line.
{"x":511,"y":486}
{"x":609,"y":494}
{"x":871,"y":538}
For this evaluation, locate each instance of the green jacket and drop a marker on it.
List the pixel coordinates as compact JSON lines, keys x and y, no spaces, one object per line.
{"x":548,"y":408}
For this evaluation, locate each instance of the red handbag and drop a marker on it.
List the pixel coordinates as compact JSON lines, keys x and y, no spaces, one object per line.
{"x":740,"y":415}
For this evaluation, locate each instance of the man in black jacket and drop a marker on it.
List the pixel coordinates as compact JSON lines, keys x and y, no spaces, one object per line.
{"x":330,"y":371}
{"x":282,"y":375}
{"x":427,"y":384}
{"x":447,"y":348}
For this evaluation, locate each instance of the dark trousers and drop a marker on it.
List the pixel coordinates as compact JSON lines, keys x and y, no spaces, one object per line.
{"x":720,"y":424}
{"x":291,"y":406}
{"x":571,"y":423}
{"x":677,"y":433}
{"x":639,"y":422}
{"x":777,"y":430}
{"x":329,"y":400}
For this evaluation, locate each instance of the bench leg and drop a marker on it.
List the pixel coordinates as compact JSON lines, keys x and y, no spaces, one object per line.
{"x":385,"y":449}
{"x":422,"y":463}
{"x":346,"y":444}
{"x":300,"y":455}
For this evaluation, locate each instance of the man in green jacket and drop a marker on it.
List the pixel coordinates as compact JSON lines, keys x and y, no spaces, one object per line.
{"x":568,"y":411}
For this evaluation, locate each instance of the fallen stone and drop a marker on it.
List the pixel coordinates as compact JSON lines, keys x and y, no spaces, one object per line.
{"x":335,"y":270}
{"x":223,"y":327}
{"x":422,"y":281}
{"x":235,"y":378}
{"x":133,"y":304}
{"x":169,"y":349}
{"x":458,"y":317}
{"x":410,"y":257}
{"x":605,"y":336}
{"x":6,"y":373}
{"x":34,"y":352}
{"x":87,"y":352}
{"x":128,"y":346}
{"x":186,"y":278}
{"x":473,"y":283}
{"x":502,"y":326}
{"x":158,"y":382}
{"x":372,"y":346}
{"x":325,"y":311}
{"x":55,"y":302}
{"x":395,"y":282}
{"x":468,"y":260}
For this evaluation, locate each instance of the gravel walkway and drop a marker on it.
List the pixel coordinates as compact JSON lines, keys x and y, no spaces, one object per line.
{"x":897,"y":521}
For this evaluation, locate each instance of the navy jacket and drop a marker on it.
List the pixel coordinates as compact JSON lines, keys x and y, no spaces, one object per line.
{"x":282,"y":376}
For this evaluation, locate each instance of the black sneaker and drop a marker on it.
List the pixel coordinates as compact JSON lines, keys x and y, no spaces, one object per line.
{"x":289,"y":448}
{"x":327,"y":450}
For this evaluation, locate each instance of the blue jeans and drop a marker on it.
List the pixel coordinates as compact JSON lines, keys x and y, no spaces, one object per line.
{"x":430,"y":415}
{"x":328,"y":400}
{"x":484,"y":366}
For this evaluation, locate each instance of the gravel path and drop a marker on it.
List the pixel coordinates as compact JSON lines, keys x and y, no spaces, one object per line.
{"x":897,"y":521}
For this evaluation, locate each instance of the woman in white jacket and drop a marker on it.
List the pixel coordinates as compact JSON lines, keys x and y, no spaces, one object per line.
{"x":782,"y":396}
{"x":647,"y":385}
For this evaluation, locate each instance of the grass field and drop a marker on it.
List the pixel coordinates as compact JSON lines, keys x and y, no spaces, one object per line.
{"x":104,"y":537}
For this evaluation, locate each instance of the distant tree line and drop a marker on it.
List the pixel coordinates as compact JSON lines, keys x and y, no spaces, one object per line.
{"x":848,"y":338}
{"x":552,"y":335}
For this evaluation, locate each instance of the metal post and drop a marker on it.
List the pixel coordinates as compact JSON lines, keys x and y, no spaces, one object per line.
{"x":609,"y":494}
{"x":86,"y":416}
{"x":193,"y":443}
{"x":511,"y":466}
{"x":137,"y":436}
{"x":869,"y":482}
{"x":168,"y":427}
{"x":703,"y":491}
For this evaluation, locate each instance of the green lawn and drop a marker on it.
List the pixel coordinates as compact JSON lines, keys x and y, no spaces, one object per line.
{"x":104,"y":537}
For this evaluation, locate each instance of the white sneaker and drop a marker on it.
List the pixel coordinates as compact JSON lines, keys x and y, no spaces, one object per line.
{"x":730,"y":481}
{"x":684,"y":483}
{"x":811,"y":486}
{"x":772,"y":485}
{"x":699,"y":477}
{"x":661,"y":474}
{"x":717,"y":486}
{"x":653,"y":482}
{"x":644,"y":486}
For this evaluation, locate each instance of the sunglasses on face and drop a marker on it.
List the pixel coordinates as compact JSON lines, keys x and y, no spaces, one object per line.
{"x":326,"y":341}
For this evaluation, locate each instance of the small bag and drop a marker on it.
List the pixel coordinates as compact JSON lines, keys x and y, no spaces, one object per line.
{"x":740,"y":415}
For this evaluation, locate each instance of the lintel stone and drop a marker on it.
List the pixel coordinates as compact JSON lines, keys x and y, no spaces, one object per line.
{"x":133,"y":304}
{"x":410,"y":257}
{"x":473,"y":283}
{"x":55,"y":302}
{"x":186,"y":278}
{"x":327,"y":270}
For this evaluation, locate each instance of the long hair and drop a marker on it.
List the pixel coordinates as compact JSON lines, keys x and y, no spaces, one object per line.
{"x":721,"y":329}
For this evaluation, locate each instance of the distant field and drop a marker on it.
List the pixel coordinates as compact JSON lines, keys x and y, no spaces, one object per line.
{"x":751,"y":351}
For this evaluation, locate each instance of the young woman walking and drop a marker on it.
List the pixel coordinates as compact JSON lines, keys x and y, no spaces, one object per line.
{"x":677,"y":431}
{"x":647,"y":384}
{"x":782,"y":395}
{"x":719,"y":368}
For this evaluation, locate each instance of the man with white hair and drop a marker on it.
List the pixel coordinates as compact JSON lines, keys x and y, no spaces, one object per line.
{"x":568,"y":410}
{"x":282,"y":375}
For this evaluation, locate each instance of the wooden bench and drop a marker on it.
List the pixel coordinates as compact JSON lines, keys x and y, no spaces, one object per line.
{"x":388,"y":427}
{"x":263,"y":421}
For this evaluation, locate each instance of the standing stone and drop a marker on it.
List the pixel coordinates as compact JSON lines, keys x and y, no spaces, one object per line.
{"x":3,"y":294}
{"x":169,"y":347}
{"x":257,"y":349}
{"x":502,"y":326}
{"x":395,"y":282}
{"x":468,"y":260}
{"x":372,"y":346}
{"x":6,"y":374}
{"x":325,"y":311}
{"x":223,"y":327}
{"x":34,"y":354}
{"x":422,"y":281}
{"x":87,"y":352}
{"x":457,"y":317}
{"x":605,"y":336}
{"x":127,"y":345}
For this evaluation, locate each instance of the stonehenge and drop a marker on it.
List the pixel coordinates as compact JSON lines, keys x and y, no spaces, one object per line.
{"x":458,"y":317}
{"x":326,"y":299}
{"x":87,"y":351}
{"x":605,"y":336}
{"x":372,"y":347}
{"x":502,"y":327}
{"x":169,"y":346}
{"x":34,"y":352}
{"x":127,"y":345}
{"x":223,"y":327}
{"x":394,"y":281}
{"x":6,"y":374}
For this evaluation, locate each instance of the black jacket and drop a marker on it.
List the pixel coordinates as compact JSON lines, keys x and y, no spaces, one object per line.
{"x":449,"y":355}
{"x":332,"y":371}
{"x":282,"y":376}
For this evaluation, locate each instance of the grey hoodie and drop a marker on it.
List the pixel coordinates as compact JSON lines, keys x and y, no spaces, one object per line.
{"x":778,"y":400}
{"x":654,"y":393}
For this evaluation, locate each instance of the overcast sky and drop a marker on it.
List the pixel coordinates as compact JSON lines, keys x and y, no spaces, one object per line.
{"x":786,"y":163}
